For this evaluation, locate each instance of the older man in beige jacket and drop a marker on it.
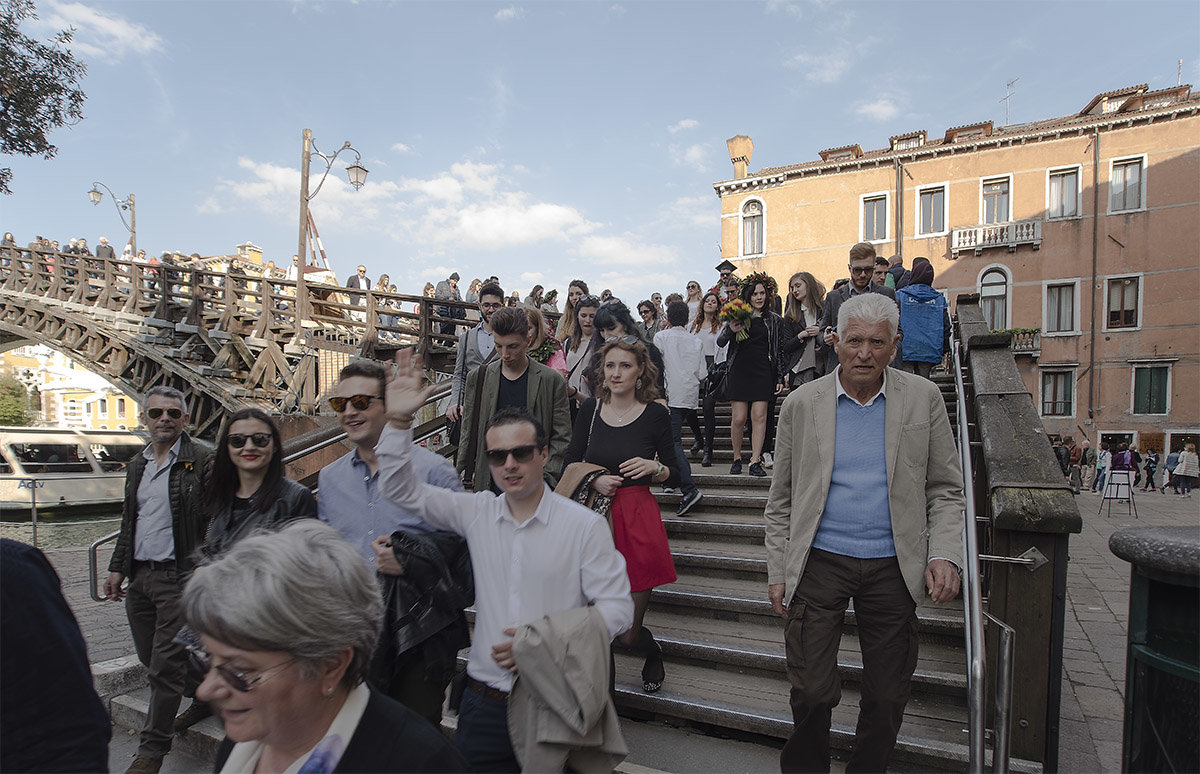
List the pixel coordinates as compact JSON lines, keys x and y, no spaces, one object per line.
{"x":866,"y":503}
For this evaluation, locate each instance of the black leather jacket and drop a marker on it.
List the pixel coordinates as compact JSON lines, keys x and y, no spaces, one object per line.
{"x":295,"y":501}
{"x":424,"y":606}
{"x":775,"y":334}
{"x":185,"y":483}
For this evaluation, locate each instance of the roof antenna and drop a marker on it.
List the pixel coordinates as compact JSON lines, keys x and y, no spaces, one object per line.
{"x":1008,"y":92}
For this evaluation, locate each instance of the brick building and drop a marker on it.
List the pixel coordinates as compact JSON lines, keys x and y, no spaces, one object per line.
{"x":1082,"y":233}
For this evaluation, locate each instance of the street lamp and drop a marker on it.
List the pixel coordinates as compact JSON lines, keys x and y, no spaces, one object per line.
{"x":121,"y":204}
{"x":357,"y":174}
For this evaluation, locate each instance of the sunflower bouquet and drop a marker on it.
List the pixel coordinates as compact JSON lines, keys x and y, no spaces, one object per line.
{"x":739,"y":311}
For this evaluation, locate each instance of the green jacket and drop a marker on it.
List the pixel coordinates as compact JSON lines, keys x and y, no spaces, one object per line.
{"x":186,"y":485}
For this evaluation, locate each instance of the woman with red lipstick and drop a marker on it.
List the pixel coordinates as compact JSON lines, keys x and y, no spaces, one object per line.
{"x":247,"y":489}
{"x":624,"y":429}
{"x":285,"y":624}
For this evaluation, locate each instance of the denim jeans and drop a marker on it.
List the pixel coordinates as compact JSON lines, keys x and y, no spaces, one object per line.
{"x":685,"y":467}
{"x":482,"y":735}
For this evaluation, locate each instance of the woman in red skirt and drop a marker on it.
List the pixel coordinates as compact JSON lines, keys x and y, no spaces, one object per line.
{"x":624,"y":429}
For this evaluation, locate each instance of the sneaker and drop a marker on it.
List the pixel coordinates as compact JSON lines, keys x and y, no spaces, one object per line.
{"x":756,"y":469}
{"x":198,"y":711}
{"x":689,"y":503}
{"x":767,"y":460}
{"x":668,"y":490}
{"x":145,"y":764}
{"x":736,"y":468}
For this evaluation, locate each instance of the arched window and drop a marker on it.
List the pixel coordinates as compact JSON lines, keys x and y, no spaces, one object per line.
{"x":752,"y":227}
{"x":993,"y":291}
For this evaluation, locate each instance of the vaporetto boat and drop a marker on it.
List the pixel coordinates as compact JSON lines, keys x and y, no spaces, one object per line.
{"x":67,"y":470}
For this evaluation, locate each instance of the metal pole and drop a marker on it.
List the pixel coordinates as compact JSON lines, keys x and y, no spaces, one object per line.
{"x":1004,"y":669}
{"x":132,"y":228}
{"x":301,"y":303}
{"x":33,"y":507}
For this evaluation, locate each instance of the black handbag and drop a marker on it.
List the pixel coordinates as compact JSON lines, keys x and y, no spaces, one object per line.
{"x":717,"y":374}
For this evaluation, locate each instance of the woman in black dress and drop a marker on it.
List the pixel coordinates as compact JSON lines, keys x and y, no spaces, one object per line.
{"x":247,"y":489}
{"x":623,"y":428}
{"x":754,"y":373}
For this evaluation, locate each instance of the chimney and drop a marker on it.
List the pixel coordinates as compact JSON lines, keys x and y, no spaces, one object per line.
{"x":741,"y":148}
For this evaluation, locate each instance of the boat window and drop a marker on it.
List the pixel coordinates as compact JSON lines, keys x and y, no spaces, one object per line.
{"x":114,"y":457}
{"x":50,"y":457}
{"x":5,"y":468}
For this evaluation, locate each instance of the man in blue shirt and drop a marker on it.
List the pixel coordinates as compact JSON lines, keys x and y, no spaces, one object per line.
{"x":866,"y":504}
{"x":349,"y":500}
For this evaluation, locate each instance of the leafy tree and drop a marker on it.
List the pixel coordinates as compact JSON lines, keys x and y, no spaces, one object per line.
{"x":14,"y":403}
{"x":38,"y":87}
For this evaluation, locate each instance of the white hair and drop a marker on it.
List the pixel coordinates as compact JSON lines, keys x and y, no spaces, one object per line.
{"x":302,"y":590}
{"x":869,"y":309}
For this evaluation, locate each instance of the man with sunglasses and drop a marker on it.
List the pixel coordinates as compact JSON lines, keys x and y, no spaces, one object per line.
{"x":727,"y":286}
{"x":534,"y":553}
{"x":162,"y":525}
{"x":350,"y":501}
{"x":475,"y":347}
{"x":862,"y":273}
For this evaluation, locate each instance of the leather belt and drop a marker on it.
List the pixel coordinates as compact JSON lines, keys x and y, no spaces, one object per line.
{"x":485,"y":690}
{"x":167,"y":565}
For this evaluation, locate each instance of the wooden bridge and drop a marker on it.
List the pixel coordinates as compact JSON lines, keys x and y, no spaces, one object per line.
{"x":226,"y":337}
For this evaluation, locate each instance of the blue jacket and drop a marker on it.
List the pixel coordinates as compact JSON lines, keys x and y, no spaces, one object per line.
{"x":925,"y":323}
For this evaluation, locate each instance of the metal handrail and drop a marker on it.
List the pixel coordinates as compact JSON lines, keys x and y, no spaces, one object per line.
{"x":93,"y":569}
{"x":974,"y":614}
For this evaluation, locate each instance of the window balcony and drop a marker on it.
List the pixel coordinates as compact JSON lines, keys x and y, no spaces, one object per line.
{"x":1010,"y":235}
{"x":1025,"y":341}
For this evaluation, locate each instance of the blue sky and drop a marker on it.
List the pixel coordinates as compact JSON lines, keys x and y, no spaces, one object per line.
{"x":536,"y":141}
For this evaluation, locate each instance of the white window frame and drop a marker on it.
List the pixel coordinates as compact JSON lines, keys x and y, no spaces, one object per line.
{"x":1008,"y":293}
{"x":741,"y":219}
{"x":1141,"y":308}
{"x":1133,"y":368}
{"x":887,"y":216}
{"x":1071,"y":376}
{"x":1142,"y":157}
{"x":945,"y":186}
{"x":1076,"y":329}
{"x":984,"y":180}
{"x":1078,"y":170}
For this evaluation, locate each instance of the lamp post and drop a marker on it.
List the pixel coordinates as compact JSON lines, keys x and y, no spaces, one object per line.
{"x":357,"y":174}
{"x":121,"y":204}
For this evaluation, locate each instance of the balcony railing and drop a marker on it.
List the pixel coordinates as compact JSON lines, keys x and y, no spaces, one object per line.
{"x":1010,"y":235}
{"x":1025,"y":341}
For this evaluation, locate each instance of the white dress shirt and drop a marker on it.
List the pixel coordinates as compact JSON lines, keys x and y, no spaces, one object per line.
{"x":684,"y":366}
{"x":559,"y":559}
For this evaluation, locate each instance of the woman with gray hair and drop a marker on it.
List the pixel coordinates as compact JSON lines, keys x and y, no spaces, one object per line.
{"x":286,"y":625}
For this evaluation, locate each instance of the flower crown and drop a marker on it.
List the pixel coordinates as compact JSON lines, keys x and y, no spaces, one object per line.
{"x":767,"y":281}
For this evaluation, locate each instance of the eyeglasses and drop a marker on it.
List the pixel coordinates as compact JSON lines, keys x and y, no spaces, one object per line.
{"x":623,"y":339}
{"x":587,"y":301}
{"x":360,"y":402}
{"x":155,"y":413}
{"x":241,"y":681}
{"x":521,"y":454}
{"x":260,"y":440}
{"x":492,"y":306}
{"x":693,"y":287}
{"x":862,"y":269}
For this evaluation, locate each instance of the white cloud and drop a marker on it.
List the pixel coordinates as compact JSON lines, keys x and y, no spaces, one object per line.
{"x":616,"y":9}
{"x":789,"y":7}
{"x":694,"y":156}
{"x":822,"y":68}
{"x":533,"y":277}
{"x":624,"y":250}
{"x":100,"y":35}
{"x":690,"y":212}
{"x":687,"y":123}
{"x":402,"y":148}
{"x":510,"y":13}
{"x":881,"y":109}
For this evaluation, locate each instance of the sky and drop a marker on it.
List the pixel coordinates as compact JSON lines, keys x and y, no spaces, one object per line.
{"x":538,"y":141}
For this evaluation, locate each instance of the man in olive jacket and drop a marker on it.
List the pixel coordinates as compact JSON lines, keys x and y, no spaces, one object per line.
{"x":162,"y":524}
{"x":512,"y":379}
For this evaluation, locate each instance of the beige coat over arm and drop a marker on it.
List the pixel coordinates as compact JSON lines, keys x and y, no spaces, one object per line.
{"x":925,"y":483}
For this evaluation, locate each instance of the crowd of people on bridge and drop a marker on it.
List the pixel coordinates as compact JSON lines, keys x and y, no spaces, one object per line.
{"x":324,"y":632}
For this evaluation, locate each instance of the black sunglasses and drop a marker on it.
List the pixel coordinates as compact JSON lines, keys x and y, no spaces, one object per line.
{"x":260,"y":440}
{"x":862,"y":269}
{"x":587,"y":301}
{"x":155,"y":413}
{"x":521,"y":454}
{"x":360,"y":402}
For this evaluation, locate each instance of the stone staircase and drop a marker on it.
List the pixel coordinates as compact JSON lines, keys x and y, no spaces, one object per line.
{"x":723,"y":643}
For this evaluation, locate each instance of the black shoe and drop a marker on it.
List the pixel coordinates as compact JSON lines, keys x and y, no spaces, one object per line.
{"x":192,"y":715}
{"x":706,"y":462}
{"x":697,"y":447}
{"x":756,"y":469}
{"x":653,"y":671}
{"x":736,"y":468}
{"x":689,"y":503}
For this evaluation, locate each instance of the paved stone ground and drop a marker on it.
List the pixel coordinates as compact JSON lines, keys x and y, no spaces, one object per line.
{"x":1094,"y":646}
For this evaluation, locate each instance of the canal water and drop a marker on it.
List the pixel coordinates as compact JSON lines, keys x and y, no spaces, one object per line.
{"x":64,"y":532}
